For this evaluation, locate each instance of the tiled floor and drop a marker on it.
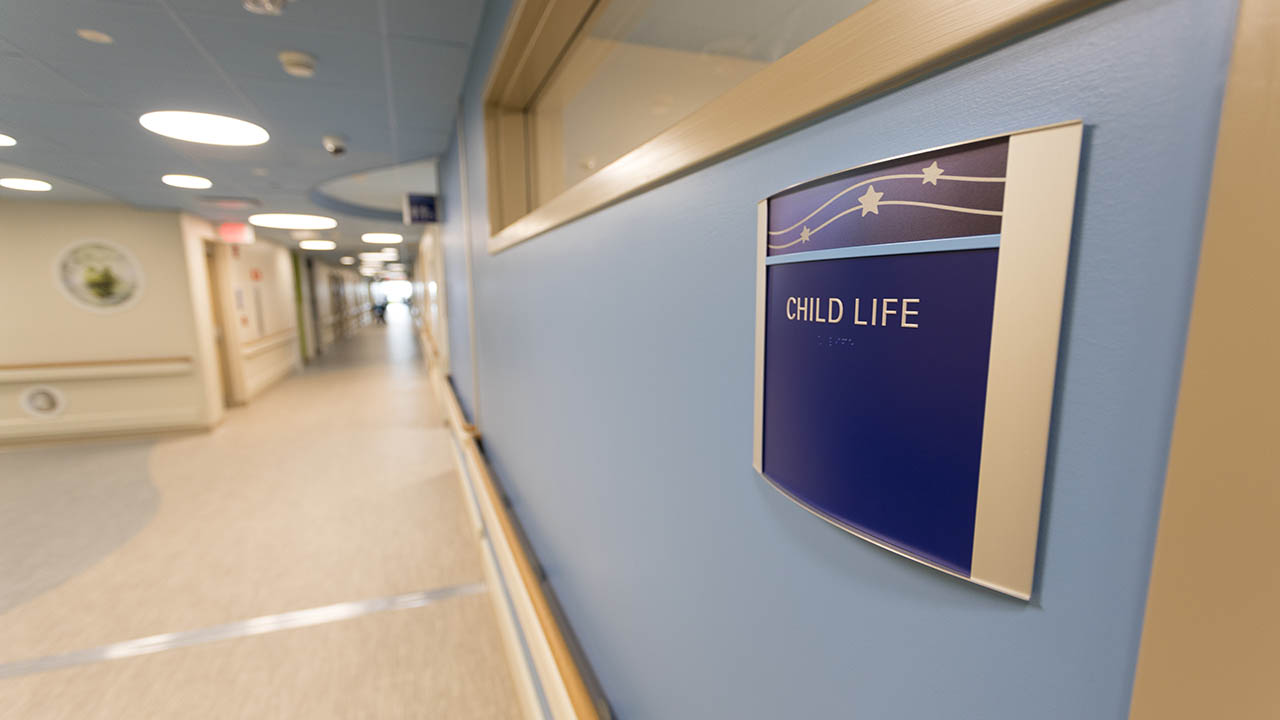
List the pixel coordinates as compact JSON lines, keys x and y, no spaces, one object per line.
{"x":337,"y":485}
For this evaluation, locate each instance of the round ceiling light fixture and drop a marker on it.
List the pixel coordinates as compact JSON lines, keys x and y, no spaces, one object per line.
{"x":382,"y":238}
{"x":7,"y":140}
{"x":317,"y":244}
{"x":205,"y":128}
{"x":347,"y":260}
{"x":25,"y":184}
{"x":189,"y":182}
{"x":95,"y":36}
{"x":293,"y":221}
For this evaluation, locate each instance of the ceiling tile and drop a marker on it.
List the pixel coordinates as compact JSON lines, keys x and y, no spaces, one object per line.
{"x":156,"y":88}
{"x":248,"y":48}
{"x":356,"y":16}
{"x":311,"y":110}
{"x":23,"y":78}
{"x":454,"y":21}
{"x":427,"y":79}
{"x":89,"y":129}
{"x":416,"y":143}
{"x":144,"y":36}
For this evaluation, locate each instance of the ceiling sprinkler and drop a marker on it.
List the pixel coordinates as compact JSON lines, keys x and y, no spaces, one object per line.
{"x":265,"y":7}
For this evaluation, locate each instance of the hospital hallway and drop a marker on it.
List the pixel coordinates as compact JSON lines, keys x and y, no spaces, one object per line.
{"x":640,"y":359}
{"x":312,"y":556}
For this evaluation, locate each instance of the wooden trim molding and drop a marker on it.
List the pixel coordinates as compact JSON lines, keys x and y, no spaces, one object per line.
{"x":96,"y":369}
{"x":884,"y":45}
{"x":563,"y":680}
{"x":1210,"y":635}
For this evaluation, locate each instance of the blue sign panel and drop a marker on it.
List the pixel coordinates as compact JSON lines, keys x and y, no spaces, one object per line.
{"x":419,"y":208}
{"x":877,"y":309}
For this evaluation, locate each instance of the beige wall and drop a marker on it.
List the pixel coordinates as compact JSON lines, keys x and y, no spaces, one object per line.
{"x":259,"y":315}
{"x":337,"y":323}
{"x":142,"y":367}
{"x":432,"y":311}
{"x":1209,"y":643}
{"x":310,"y":346}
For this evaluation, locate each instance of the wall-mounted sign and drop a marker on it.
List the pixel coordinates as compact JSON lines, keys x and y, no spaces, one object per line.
{"x":99,"y":275}
{"x":419,"y":208}
{"x":43,"y":401}
{"x":907,"y":317}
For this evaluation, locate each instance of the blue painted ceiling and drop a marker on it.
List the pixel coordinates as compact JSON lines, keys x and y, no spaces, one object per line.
{"x":388,"y":77}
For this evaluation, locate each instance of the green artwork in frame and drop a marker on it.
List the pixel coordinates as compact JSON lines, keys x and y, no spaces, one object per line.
{"x":99,"y":275}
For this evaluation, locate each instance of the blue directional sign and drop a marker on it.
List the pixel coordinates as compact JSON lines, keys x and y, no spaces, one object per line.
{"x":419,"y":208}
{"x":898,"y":395}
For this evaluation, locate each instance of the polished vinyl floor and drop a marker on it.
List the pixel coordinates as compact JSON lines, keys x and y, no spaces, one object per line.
{"x":310,"y":558}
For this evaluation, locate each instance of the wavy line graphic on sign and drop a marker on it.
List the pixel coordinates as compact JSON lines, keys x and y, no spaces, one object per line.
{"x":871,"y":200}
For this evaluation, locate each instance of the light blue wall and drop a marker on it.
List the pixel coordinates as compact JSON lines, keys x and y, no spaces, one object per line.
{"x":455,"y":270}
{"x":615,"y":358}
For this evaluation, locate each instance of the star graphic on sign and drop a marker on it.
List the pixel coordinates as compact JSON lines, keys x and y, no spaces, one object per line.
{"x":870,"y":201}
{"x":931,"y":174}
{"x":804,"y":234}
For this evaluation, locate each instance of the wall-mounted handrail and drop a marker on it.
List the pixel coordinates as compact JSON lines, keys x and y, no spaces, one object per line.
{"x":95,"y":369}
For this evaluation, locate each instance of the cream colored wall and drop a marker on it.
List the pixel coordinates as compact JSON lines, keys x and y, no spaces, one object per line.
{"x":432,"y":311}
{"x":335,"y":324}
{"x":359,"y":300}
{"x":1210,"y":637}
{"x":140,"y":368}
{"x":308,"y":300}
{"x":260,"y":316}
{"x":195,"y":231}
{"x":324,"y":307}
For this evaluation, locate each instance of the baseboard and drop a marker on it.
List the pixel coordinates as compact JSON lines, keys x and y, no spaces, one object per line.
{"x":549,"y":678}
{"x":262,"y":381}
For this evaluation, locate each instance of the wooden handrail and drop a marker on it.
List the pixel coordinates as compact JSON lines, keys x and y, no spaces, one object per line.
{"x":96,"y":363}
{"x":575,"y":683}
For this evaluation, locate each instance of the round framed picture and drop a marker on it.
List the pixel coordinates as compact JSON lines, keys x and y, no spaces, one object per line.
{"x":99,"y":275}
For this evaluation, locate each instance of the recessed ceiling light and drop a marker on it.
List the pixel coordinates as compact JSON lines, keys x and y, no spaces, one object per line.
{"x":95,"y":36}
{"x":26,"y":184}
{"x":382,"y":238}
{"x":190,"y":182}
{"x":317,"y":244}
{"x":7,"y":141}
{"x":347,"y":260}
{"x":372,"y":256}
{"x":293,"y":221}
{"x":204,"y":128}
